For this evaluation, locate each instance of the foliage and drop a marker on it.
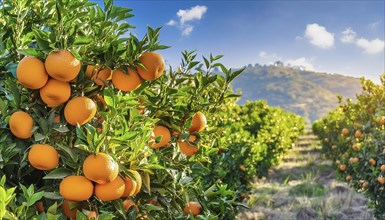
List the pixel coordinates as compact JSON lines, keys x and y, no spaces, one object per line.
{"x":253,"y":138}
{"x":360,"y":147}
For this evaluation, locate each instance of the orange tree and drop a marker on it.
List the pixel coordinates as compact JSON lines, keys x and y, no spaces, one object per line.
{"x":353,"y":137}
{"x":253,"y":137}
{"x":94,"y":124}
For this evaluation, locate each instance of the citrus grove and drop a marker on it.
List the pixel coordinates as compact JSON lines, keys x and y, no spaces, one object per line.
{"x":94,"y":125}
{"x":353,"y":137}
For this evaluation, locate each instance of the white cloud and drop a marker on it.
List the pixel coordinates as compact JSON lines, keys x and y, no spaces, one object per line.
{"x":374,"y":25}
{"x":300,"y":62}
{"x":188,"y":15}
{"x":348,"y":36}
{"x":262,"y":54}
{"x":319,"y":36}
{"x":187,"y":30}
{"x":171,"y":23}
{"x":194,"y":13}
{"x":371,"y":46}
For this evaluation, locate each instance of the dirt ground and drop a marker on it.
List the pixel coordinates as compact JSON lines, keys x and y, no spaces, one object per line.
{"x":304,"y":187}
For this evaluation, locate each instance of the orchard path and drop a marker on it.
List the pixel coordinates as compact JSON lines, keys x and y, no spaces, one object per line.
{"x":304,"y":187}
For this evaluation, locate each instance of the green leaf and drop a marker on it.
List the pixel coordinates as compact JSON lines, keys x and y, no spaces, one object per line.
{"x":31,"y":52}
{"x":34,"y":198}
{"x":58,"y":173}
{"x":61,"y":129}
{"x":52,"y":209}
{"x":38,"y":137}
{"x":79,"y":41}
{"x":81,"y":216}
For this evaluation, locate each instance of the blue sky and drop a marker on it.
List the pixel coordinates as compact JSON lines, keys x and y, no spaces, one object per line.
{"x":344,"y":37}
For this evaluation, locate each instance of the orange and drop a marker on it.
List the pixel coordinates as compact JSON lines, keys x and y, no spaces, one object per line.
{"x":138,"y":180}
{"x":382,"y":168}
{"x":381,"y":180}
{"x":358,"y":134}
{"x":62,"y":65}
{"x":161,"y":131}
{"x":100,"y":168}
{"x":365,"y":185}
{"x":126,"y":82}
{"x":242,"y":168}
{"x":92,"y":215}
{"x":356,"y":146}
{"x":98,"y":74}
{"x":43,"y":157}
{"x":198,"y":122}
{"x":76,"y":188}
{"x":79,"y":110}
{"x":382,"y":120}
{"x":111,"y":190}
{"x":342,"y":167}
{"x":31,"y":73}
{"x":127,"y":203}
{"x":67,"y":211}
{"x":186,"y":148}
{"x":21,"y":124}
{"x":56,"y":119}
{"x":345,"y":132}
{"x":154,"y":64}
{"x":130,"y":187}
{"x":372,"y":162}
{"x":133,"y":186}
{"x":353,"y":160}
{"x":55,"y":92}
{"x":348,"y":178}
{"x":193,"y":208}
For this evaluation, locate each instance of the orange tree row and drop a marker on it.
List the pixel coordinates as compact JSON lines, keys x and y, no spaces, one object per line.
{"x":253,"y":137}
{"x":353,"y":136}
{"x":92,"y":123}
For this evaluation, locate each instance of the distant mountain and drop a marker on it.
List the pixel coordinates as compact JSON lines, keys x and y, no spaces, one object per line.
{"x":306,"y":93}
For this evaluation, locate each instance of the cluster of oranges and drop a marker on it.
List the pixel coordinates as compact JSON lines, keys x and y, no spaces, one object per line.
{"x":101,"y":172}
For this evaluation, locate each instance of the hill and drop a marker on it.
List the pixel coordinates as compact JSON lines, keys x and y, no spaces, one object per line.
{"x":306,"y":93}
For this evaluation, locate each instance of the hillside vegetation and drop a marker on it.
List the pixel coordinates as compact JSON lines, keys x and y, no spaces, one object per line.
{"x":306,"y":93}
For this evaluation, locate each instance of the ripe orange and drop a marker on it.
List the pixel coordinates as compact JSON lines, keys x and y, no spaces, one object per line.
{"x":31,"y":73}
{"x":358,"y":134}
{"x":345,"y":132}
{"x":381,"y":180}
{"x":193,"y":208}
{"x":100,"y":168}
{"x":372,"y":162}
{"x":92,"y":215}
{"x":186,"y":148}
{"x":161,"y":131}
{"x":55,"y":92}
{"x":21,"y":124}
{"x":127,"y":203}
{"x":198,"y":122}
{"x":62,"y":65}
{"x":154,"y":64}
{"x":382,"y":120}
{"x":365,"y":185}
{"x":76,"y":188}
{"x":382,"y":168}
{"x":348,"y":178}
{"x":356,"y":146}
{"x":43,"y":157}
{"x":342,"y":167}
{"x":67,"y":211}
{"x":100,"y":75}
{"x":126,"y":82}
{"x":353,"y":160}
{"x":79,"y":110}
{"x":138,"y":180}
{"x":133,"y":186}
{"x":111,"y":190}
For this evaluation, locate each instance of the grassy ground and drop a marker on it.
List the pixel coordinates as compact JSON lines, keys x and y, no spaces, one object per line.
{"x":303,"y":187}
